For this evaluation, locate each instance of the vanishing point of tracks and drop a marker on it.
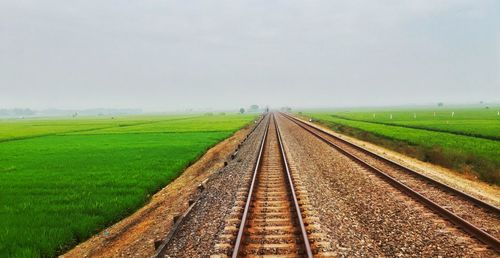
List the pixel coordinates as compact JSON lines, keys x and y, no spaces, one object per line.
{"x":479,"y":219}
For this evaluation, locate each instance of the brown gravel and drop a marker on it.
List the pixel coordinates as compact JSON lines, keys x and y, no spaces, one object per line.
{"x":362,"y":214}
{"x":197,"y":236}
{"x":135,"y":235}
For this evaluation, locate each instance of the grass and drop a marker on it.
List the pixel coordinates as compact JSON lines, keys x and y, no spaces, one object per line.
{"x":23,"y":129}
{"x":468,"y":146}
{"x":477,"y":122}
{"x":59,"y":187}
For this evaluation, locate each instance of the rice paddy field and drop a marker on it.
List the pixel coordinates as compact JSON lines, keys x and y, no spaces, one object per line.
{"x":464,"y":139}
{"x":61,"y":181}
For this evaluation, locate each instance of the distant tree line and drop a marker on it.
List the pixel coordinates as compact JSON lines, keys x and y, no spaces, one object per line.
{"x":17,"y":112}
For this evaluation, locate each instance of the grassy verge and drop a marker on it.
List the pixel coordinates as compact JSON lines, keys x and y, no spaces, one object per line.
{"x":469,"y":155}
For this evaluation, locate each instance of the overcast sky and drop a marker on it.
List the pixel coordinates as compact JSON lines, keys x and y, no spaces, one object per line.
{"x":171,"y":55}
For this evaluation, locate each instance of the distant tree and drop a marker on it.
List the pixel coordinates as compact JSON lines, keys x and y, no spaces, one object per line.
{"x":242,"y":110}
{"x":222,"y":113}
{"x":440,"y":104}
{"x":254,"y":107}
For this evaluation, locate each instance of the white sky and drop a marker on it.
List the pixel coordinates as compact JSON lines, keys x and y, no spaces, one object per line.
{"x":171,"y":55}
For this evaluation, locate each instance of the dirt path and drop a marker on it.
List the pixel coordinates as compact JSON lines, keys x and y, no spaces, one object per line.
{"x":136,"y":234}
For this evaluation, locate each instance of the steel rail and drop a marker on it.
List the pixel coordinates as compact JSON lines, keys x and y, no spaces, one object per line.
{"x":161,"y":249}
{"x":478,"y":233}
{"x":239,"y":239}
{"x":466,"y":196}
{"x":305,"y":239}
{"x":244,"y":218}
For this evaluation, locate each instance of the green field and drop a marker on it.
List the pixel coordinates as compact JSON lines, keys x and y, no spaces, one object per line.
{"x":62,"y":181}
{"x":467,"y":142}
{"x":482,"y":123}
{"x":21,"y":129}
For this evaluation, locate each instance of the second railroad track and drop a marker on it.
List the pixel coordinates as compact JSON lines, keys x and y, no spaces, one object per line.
{"x":476,"y":217}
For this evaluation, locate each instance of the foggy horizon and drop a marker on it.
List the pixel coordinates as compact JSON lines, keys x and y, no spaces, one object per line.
{"x":135,"y":110}
{"x":176,"y":55}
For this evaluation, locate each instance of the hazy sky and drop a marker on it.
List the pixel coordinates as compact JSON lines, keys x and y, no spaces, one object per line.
{"x":168,"y":55}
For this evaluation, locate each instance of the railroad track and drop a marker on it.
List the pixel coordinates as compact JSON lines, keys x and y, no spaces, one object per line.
{"x":271,"y":221}
{"x":476,"y":217}
{"x":161,"y":246}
